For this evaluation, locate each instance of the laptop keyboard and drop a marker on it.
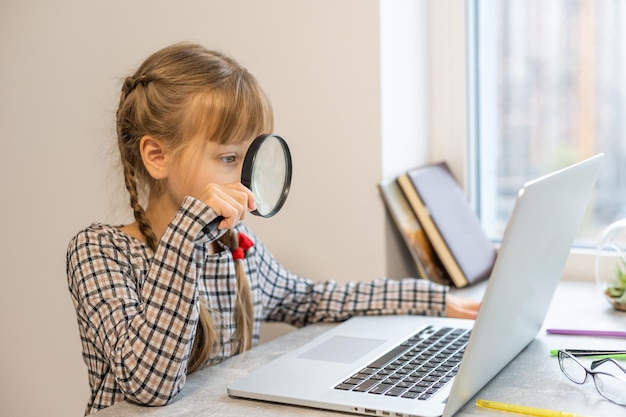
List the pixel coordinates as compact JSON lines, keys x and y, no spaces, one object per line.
{"x":417,"y":369}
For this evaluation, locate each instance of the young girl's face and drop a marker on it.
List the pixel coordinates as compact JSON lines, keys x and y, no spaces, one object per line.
{"x":203,"y":162}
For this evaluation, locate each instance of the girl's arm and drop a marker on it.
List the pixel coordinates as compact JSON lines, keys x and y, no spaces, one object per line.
{"x":299,"y":301}
{"x":140,"y":315}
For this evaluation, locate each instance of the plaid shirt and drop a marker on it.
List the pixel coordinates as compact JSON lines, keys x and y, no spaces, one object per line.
{"x":137,"y":309}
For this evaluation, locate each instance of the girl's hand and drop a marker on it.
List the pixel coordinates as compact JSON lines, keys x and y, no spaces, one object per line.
{"x":461,"y":308}
{"x":231,"y":201}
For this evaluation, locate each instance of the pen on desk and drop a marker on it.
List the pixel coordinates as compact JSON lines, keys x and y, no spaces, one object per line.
{"x":522,"y":409}
{"x":576,"y":332}
{"x":593,"y":354}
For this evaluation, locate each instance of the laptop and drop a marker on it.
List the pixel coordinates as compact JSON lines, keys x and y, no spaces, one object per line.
{"x":380,"y":365}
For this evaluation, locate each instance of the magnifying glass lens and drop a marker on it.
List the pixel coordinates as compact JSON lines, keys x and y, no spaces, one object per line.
{"x":268,"y":176}
{"x":267,"y":173}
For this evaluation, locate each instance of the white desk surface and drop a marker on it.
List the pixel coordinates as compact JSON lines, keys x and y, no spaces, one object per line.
{"x":533,"y":378}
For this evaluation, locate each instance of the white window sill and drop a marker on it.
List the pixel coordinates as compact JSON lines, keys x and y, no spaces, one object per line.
{"x":580,"y":265}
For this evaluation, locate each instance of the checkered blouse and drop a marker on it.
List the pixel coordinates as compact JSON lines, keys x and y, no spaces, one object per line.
{"x":137,"y":309}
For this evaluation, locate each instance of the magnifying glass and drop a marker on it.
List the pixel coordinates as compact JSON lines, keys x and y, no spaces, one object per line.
{"x":267,"y":173}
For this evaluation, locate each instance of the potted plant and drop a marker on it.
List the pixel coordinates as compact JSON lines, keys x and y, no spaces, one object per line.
{"x":616,"y":288}
{"x":611,"y":264}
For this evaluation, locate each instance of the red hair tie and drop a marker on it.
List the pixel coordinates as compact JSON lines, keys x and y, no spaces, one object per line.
{"x":244,"y":244}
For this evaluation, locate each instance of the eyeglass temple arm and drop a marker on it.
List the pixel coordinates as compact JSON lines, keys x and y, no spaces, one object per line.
{"x":599,"y":362}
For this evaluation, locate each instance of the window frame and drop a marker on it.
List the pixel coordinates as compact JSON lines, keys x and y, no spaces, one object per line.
{"x":453,"y":119}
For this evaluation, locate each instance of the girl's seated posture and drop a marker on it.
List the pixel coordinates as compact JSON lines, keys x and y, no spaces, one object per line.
{"x":166,"y":295}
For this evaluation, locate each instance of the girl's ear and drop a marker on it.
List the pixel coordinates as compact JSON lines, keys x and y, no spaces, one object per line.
{"x":154,"y":157}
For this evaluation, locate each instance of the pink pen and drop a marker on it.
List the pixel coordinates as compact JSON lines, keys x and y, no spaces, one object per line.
{"x":606,"y":333}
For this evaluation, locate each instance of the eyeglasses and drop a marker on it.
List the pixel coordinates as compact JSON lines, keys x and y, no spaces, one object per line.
{"x":610,"y":386}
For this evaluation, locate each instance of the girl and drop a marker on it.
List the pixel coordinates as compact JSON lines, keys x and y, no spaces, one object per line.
{"x":166,"y":295}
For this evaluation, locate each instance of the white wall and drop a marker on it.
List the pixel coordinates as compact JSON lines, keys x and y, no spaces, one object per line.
{"x":60,"y":71}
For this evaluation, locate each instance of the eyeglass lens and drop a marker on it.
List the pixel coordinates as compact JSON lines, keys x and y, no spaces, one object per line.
{"x":572,"y":368}
{"x":610,"y":386}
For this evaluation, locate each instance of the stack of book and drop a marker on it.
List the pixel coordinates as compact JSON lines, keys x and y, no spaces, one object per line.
{"x":443,"y":234}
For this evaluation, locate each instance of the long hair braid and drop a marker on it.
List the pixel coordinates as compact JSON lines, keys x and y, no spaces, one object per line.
{"x":128,"y":142}
{"x":244,"y":313}
{"x":139,"y":213}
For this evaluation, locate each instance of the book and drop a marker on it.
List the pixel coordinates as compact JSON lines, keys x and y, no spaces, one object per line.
{"x":424,"y":258}
{"x":449,"y":222}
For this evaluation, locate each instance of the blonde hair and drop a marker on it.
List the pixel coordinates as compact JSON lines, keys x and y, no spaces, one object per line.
{"x":179,"y":91}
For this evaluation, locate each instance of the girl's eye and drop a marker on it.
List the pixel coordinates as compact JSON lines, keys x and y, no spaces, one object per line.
{"x":229,"y":159}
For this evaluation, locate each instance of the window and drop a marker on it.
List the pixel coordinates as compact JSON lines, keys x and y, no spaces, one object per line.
{"x":549,"y":89}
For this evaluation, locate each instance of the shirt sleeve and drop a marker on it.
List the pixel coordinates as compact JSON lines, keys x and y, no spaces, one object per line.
{"x":144,"y":328}
{"x":290,"y":298}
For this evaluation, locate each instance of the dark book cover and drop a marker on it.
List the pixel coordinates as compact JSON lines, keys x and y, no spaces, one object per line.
{"x":451,"y":225}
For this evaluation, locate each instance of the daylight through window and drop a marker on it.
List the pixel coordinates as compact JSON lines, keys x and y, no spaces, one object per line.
{"x":550,"y":90}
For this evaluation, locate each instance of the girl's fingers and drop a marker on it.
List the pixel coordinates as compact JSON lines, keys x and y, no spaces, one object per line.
{"x":231,"y":201}
{"x":459,"y":307}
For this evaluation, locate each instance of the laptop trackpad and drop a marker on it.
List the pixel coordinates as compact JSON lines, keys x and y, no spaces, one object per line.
{"x":342,"y":349}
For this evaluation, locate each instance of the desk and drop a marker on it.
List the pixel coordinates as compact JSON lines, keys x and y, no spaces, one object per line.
{"x":533,"y":378}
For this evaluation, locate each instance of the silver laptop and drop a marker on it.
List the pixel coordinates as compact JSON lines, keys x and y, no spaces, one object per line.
{"x":367,"y":365}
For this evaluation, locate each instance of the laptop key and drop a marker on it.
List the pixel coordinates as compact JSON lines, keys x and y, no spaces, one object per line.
{"x":352,"y":381}
{"x":366,"y":385}
{"x":395,"y":392}
{"x":381,"y":388}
